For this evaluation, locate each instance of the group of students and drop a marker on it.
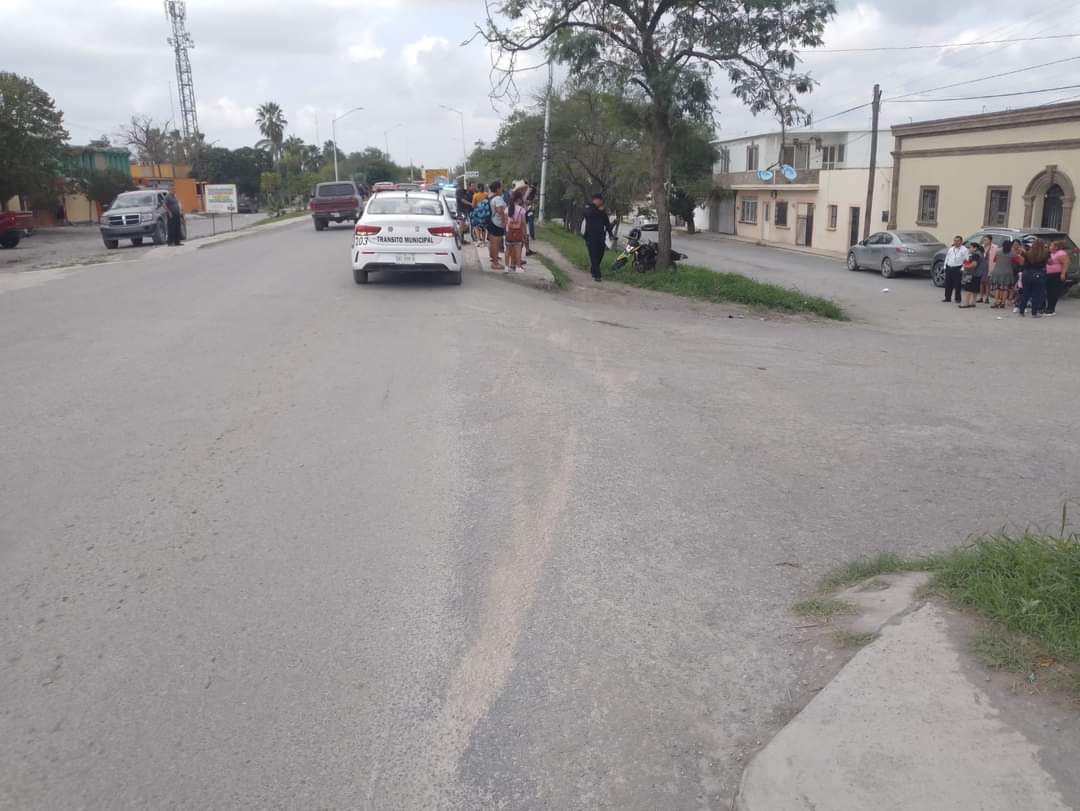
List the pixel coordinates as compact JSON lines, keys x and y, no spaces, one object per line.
{"x":1011,"y":274}
{"x":504,"y":220}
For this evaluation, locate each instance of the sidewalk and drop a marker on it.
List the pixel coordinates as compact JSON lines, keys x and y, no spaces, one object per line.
{"x":535,"y":275}
{"x":911,"y":724}
{"x":712,"y":236}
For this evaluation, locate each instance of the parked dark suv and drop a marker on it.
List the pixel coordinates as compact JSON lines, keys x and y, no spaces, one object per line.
{"x":1025,"y":235}
{"x":136,"y":215}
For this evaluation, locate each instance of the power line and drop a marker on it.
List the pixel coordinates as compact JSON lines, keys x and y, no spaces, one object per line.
{"x":930,"y":47}
{"x":987,"y":78}
{"x":993,"y":95}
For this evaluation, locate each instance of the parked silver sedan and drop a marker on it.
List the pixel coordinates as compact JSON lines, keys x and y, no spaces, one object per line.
{"x":894,"y":252}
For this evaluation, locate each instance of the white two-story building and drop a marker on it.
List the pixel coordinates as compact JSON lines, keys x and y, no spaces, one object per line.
{"x":823,"y":207}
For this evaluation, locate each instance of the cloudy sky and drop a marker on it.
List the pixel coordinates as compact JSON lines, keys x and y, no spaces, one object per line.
{"x":104,"y":60}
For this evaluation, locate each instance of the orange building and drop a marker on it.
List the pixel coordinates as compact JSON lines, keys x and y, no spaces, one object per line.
{"x":176,"y":176}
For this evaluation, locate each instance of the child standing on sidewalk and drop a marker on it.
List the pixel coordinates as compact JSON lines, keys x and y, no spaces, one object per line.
{"x":515,"y":232}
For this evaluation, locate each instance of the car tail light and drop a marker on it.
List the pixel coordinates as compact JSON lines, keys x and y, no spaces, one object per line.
{"x":442,"y":231}
{"x":367,"y":230}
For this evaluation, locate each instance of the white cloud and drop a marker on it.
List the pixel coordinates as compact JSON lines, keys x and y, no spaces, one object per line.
{"x":365,"y":50}
{"x":226,"y":113}
{"x":411,"y":52}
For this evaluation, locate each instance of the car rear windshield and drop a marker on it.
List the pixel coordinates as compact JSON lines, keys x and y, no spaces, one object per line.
{"x":335,"y":190}
{"x":917,"y":237}
{"x":405,"y":205}
{"x":134,"y":201}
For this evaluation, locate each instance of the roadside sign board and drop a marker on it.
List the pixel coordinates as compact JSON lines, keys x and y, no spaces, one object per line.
{"x":221,"y":198}
{"x":431,"y":176}
{"x":471,"y":175}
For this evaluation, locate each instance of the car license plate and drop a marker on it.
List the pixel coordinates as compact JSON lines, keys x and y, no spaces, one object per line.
{"x":335,"y":213}
{"x":405,"y":258}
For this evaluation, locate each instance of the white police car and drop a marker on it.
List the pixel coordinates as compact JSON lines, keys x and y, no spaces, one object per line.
{"x":406,"y":231}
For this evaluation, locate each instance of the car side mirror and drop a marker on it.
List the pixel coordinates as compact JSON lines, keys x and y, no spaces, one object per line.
{"x":862,"y":243}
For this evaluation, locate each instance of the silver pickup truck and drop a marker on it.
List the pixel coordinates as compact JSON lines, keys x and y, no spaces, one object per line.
{"x":136,"y":215}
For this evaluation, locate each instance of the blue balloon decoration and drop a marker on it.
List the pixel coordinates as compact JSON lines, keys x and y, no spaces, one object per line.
{"x":789,"y":172}
{"x":764,"y":175}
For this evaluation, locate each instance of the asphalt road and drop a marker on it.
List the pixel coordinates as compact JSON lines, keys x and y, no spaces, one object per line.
{"x":272,"y":540}
{"x":77,"y":244}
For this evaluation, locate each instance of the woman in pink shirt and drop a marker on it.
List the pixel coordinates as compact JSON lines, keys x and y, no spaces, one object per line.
{"x":1057,"y":267}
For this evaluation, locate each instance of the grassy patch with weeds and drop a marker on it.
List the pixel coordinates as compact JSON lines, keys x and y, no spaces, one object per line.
{"x":1029,"y":584}
{"x":822,"y":607}
{"x":562,"y":278}
{"x":858,"y":570}
{"x":853,"y":639}
{"x":698,"y":283}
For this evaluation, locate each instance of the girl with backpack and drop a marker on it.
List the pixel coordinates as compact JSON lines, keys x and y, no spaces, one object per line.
{"x":515,"y":232}
{"x":479,"y":235}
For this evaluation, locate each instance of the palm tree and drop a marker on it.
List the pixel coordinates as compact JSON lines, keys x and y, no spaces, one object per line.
{"x":293,"y":145}
{"x":271,"y":121}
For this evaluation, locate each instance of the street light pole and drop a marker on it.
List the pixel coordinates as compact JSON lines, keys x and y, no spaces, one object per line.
{"x":464,"y":149}
{"x":333,"y":134}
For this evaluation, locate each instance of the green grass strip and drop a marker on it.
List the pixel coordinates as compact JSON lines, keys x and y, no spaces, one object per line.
{"x":561,"y":277}
{"x":1029,"y":584}
{"x":698,"y":283}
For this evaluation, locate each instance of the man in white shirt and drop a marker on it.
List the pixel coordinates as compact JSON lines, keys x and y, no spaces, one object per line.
{"x":954,"y":268}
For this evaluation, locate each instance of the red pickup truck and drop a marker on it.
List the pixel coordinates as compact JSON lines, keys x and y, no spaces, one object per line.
{"x":337,"y":201}
{"x":13,"y":224}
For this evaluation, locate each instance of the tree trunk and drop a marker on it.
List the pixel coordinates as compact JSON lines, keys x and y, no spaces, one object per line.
{"x":661,"y":149}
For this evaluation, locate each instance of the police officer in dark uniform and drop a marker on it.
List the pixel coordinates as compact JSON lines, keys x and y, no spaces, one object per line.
{"x":598,"y":228}
{"x":172,"y":205}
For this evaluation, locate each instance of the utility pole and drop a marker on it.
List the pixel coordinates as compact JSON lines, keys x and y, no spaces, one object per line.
{"x":873,"y":164}
{"x":546,"y":149}
{"x":333,"y":134}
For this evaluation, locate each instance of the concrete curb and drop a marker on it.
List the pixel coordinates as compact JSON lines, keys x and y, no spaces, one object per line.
{"x":903,"y":727}
{"x":535,"y":275}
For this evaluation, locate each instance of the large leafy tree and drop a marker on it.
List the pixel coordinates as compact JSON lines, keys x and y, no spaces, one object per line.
{"x":32,"y":137}
{"x":692,"y":159}
{"x":240,"y":166}
{"x":271,"y":121}
{"x":663,"y":54}
{"x":102,"y":185}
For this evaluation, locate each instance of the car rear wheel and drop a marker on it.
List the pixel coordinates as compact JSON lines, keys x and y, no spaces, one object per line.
{"x":887,"y":268}
{"x":111,"y":243}
{"x":455,"y":277}
{"x":136,"y":240}
{"x":159,"y":233}
{"x":938,"y":274}
{"x":9,"y":240}
{"x":852,"y":264}
{"x":360,"y":276}
{"x":320,"y":225}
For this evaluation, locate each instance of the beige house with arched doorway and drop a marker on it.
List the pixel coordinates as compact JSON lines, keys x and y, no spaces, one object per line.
{"x":1016,"y":168}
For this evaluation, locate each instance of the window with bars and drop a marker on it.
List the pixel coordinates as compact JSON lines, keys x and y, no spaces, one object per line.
{"x":834,"y":213}
{"x":752,"y":158}
{"x":928,"y":205}
{"x":781,"y":213}
{"x":725,"y":160}
{"x":997,"y":206}
{"x":748,"y":211}
{"x":832,"y":156}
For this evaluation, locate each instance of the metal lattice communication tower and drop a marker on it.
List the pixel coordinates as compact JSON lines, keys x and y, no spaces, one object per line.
{"x":176,"y":11}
